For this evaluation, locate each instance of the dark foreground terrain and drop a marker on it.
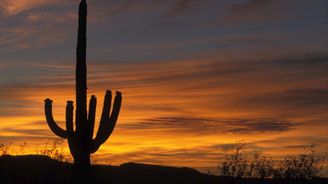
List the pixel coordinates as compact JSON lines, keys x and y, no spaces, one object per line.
{"x":35,"y":169}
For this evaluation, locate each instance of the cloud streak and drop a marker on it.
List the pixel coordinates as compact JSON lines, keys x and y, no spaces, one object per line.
{"x":10,"y":7}
{"x":198,"y":125}
{"x":196,"y":75}
{"x":259,"y":11}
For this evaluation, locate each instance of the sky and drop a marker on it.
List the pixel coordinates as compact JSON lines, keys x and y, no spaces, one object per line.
{"x":196,"y":76}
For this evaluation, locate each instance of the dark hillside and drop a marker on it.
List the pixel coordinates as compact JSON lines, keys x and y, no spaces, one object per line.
{"x":42,"y":169}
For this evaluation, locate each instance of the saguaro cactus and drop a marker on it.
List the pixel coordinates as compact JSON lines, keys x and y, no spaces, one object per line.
{"x":81,"y":140}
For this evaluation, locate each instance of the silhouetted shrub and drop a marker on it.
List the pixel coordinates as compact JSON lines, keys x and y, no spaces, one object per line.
{"x":306,"y":165}
{"x":4,"y":149}
{"x":53,"y":149}
{"x":235,"y":164}
{"x":258,"y":165}
{"x":20,"y":150}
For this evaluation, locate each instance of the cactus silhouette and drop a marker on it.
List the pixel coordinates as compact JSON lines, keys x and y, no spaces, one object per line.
{"x":81,"y":140}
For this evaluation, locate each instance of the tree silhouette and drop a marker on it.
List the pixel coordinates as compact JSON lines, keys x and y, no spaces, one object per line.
{"x":81,"y":140}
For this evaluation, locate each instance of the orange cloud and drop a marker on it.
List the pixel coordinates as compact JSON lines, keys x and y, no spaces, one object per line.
{"x":182,"y":113}
{"x":12,"y":7}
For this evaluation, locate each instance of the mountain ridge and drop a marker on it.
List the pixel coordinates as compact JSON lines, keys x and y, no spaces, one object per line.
{"x":39,"y":169}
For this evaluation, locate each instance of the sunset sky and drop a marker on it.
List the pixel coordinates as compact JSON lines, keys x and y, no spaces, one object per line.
{"x":196,"y":75}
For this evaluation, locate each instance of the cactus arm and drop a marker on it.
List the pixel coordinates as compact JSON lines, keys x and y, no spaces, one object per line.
{"x":51,"y":122}
{"x":107,"y":124}
{"x":107,"y":106}
{"x":92,"y":115}
{"x":116,"y":111}
{"x":71,"y":139}
{"x":105,"y":111}
{"x":69,"y":117}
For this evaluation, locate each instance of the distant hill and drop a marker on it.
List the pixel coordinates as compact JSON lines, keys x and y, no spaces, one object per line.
{"x":37,"y":169}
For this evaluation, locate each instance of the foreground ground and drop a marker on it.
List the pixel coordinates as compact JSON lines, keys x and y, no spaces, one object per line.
{"x":42,"y":169}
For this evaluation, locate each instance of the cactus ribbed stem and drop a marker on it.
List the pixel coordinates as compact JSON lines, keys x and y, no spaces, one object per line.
{"x":80,"y":140}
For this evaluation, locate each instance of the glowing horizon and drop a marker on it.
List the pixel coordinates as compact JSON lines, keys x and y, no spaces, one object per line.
{"x":193,"y":82}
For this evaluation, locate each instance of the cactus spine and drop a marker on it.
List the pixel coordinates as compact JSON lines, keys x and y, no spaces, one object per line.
{"x":81,"y":140}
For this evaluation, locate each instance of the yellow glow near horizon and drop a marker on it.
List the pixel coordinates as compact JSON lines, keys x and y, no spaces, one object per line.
{"x":170,"y":120}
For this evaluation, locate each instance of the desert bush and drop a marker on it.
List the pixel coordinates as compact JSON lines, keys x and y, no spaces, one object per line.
{"x":19,"y":150}
{"x":235,"y":164}
{"x":305,"y":165}
{"x":52,"y":148}
{"x":4,"y":149}
{"x":258,"y":165}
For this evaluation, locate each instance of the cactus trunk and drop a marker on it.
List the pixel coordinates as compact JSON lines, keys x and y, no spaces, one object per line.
{"x":81,"y":140}
{"x":83,"y":157}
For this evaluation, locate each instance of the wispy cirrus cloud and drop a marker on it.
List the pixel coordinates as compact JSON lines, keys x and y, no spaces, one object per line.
{"x":27,"y":25}
{"x":26,"y":132}
{"x":259,"y":11}
{"x":295,"y":98}
{"x":269,"y":91}
{"x":191,"y":86}
{"x":199,"y":125}
{"x":19,"y":38}
{"x":180,"y":6}
{"x":10,"y":7}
